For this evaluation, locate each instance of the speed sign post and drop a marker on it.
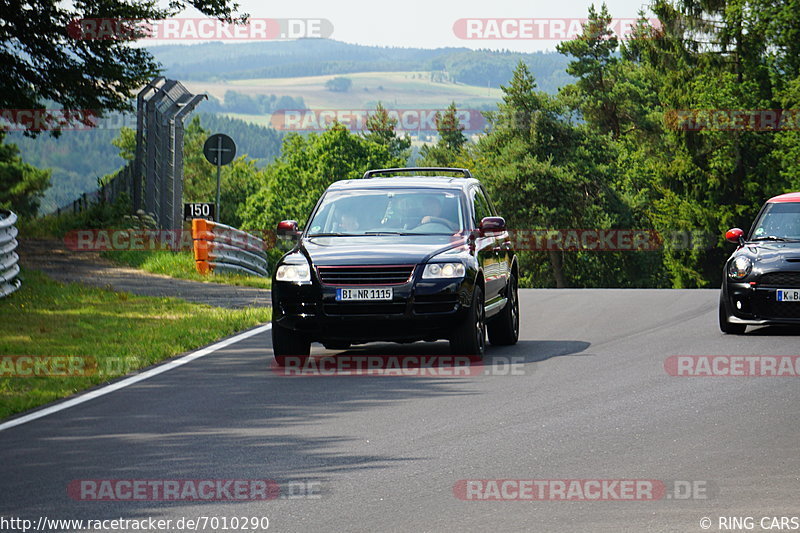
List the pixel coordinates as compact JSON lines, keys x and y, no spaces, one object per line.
{"x":219,"y":150}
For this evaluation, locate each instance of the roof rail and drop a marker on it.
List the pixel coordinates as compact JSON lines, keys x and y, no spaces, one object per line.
{"x":372,"y":173}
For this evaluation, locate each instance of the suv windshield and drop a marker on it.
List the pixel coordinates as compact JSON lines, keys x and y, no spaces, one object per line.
{"x":392,"y":211}
{"x":779,"y":221}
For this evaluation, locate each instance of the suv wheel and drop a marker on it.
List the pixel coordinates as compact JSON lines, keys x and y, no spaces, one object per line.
{"x":504,"y":329}
{"x":724,"y":324}
{"x":469,"y":338}
{"x":287,"y":343}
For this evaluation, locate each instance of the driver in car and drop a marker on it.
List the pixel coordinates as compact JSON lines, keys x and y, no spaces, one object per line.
{"x":348,"y":222}
{"x":434,"y":207}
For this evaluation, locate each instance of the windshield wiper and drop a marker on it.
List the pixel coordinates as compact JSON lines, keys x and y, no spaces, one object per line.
{"x":770,"y":238}
{"x":333,"y":234}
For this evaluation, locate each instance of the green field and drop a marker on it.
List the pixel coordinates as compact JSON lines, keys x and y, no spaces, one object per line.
{"x":399,"y":90}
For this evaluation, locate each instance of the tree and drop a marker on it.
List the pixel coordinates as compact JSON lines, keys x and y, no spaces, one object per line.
{"x":451,"y":132}
{"x":21,"y":185}
{"x":451,"y":143}
{"x":126,"y":142}
{"x":45,"y":57}
{"x":240,"y":179}
{"x":537,"y":169}
{"x":199,"y":176}
{"x":339,"y":84}
{"x":594,"y":66}
{"x":381,"y":130}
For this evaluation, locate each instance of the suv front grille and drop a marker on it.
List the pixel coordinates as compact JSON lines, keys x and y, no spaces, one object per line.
{"x":365,"y":275}
{"x":781,"y":279}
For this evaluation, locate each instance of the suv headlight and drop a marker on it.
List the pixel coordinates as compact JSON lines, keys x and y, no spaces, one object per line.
{"x":740,"y":267}
{"x":294,"y":270}
{"x":443,"y":271}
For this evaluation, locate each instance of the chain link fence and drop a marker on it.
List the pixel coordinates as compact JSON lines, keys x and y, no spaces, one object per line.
{"x":154,"y":179}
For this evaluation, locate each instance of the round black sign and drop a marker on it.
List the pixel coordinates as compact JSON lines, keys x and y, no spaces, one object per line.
{"x":219,"y":149}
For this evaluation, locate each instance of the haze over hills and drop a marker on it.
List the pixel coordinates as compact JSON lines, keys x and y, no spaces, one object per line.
{"x":217,"y":61}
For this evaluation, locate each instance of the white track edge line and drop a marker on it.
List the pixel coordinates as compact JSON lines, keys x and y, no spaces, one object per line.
{"x":136,"y":378}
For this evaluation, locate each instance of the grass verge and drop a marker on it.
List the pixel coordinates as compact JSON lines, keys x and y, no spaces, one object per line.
{"x":179,"y":265}
{"x":113,"y":333}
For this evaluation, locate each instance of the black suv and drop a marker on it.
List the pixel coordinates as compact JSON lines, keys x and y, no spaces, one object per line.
{"x":403,"y":259}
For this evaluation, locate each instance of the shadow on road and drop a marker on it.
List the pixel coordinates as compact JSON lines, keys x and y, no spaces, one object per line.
{"x":228,"y":416}
{"x":774,"y":331}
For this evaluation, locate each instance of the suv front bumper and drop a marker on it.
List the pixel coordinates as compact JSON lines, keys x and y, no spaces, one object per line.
{"x":419,"y":310}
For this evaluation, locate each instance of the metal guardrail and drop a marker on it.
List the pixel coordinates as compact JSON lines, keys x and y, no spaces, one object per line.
{"x":9,"y":260}
{"x":221,"y":248}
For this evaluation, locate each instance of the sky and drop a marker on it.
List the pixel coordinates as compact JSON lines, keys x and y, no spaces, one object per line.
{"x":430,"y":23}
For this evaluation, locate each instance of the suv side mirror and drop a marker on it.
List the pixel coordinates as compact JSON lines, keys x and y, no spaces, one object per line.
{"x":735,"y":236}
{"x":492,"y":225}
{"x":288,"y":230}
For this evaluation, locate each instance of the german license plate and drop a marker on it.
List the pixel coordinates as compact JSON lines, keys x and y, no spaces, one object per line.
{"x":346,"y":295}
{"x":788,"y":295}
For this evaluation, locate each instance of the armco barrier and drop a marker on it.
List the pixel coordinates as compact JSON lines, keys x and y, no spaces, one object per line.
{"x":221,"y":248}
{"x":9,"y":267}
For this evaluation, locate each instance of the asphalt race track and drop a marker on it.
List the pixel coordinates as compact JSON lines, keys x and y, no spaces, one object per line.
{"x":590,"y":399}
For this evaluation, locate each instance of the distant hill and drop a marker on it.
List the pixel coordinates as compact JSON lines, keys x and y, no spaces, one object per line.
{"x":318,"y":57}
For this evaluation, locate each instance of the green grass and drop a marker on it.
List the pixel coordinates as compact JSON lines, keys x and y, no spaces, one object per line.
{"x":397,"y":89}
{"x":120,"y":331}
{"x":179,"y":265}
